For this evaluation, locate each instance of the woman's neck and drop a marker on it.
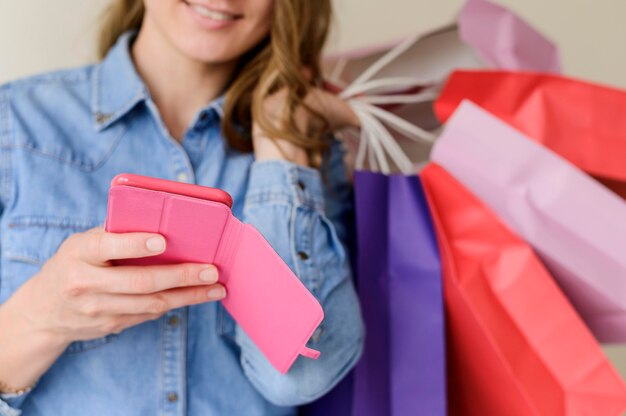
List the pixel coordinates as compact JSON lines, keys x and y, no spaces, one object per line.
{"x":179,"y":85}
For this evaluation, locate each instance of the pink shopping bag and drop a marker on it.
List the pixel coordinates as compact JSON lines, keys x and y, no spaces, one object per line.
{"x":576,"y":225}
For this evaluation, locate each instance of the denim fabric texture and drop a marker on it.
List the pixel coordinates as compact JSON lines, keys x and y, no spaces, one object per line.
{"x":63,"y":136}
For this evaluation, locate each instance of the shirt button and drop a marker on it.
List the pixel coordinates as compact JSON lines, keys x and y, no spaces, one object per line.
{"x":172,"y":397}
{"x":303,"y":255}
{"x":182,"y":177}
{"x":173,"y":321}
{"x":301,"y":185}
{"x":102,"y":118}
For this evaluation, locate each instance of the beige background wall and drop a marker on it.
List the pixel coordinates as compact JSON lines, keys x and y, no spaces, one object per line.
{"x":40,"y":35}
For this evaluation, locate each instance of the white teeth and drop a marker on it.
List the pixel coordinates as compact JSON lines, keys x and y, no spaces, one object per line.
{"x":212,"y":14}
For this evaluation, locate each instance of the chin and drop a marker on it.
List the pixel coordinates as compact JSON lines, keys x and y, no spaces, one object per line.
{"x":212,"y":31}
{"x":209,"y":51}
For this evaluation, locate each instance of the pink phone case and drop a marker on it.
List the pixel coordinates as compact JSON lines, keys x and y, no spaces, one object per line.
{"x":266,"y":299}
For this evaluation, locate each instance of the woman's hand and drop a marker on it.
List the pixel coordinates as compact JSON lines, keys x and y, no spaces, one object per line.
{"x":79,"y":295}
{"x":335,"y":111}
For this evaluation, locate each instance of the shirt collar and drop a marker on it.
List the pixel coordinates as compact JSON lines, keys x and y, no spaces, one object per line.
{"x":117,"y":87}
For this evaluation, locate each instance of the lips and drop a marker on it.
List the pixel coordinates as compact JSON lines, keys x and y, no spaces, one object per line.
{"x":213,"y":14}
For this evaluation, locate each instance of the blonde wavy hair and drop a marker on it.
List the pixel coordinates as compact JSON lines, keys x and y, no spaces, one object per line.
{"x":298,"y":32}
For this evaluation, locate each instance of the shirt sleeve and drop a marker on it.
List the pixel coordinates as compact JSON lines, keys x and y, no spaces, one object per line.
{"x":9,"y":403}
{"x":306,"y":220}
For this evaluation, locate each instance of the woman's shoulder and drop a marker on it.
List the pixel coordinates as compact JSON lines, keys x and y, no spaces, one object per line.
{"x":68,"y":75}
{"x":52,"y":115}
{"x":30,"y":106}
{"x":61,"y":80}
{"x":47,"y":90}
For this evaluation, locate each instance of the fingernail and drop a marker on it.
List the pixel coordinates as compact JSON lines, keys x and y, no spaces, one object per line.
{"x":209,"y":275}
{"x":155,"y":243}
{"x":217,"y":292}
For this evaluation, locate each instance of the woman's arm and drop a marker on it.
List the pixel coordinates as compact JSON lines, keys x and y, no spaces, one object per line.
{"x":26,"y":352}
{"x":78,"y":294}
{"x":290,"y":206}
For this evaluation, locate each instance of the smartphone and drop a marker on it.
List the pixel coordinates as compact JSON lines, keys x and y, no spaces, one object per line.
{"x":264,"y":296}
{"x":180,"y":188}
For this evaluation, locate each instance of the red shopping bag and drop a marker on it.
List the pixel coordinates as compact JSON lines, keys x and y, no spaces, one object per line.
{"x":581,"y":121}
{"x":516,"y":346}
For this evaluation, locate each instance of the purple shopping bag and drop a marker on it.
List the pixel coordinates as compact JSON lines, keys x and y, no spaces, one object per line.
{"x":398,"y":277}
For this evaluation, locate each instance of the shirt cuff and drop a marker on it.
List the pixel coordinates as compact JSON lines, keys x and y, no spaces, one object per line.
{"x":281,"y":181}
{"x":9,"y":404}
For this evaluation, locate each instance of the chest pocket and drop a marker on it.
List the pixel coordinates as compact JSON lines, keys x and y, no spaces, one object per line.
{"x":27,"y":243}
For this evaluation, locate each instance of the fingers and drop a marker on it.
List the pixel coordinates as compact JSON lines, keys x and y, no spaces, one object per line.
{"x":97,"y":246}
{"x":158,"y":303}
{"x":123,"y":322}
{"x":152,"y":279}
{"x":307,"y":73}
{"x":336,"y":111}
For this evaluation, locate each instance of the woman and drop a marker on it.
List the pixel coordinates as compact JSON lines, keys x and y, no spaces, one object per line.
{"x":218,"y":93}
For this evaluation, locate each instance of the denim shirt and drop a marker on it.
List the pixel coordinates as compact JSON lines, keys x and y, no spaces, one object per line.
{"x":63,"y":137}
